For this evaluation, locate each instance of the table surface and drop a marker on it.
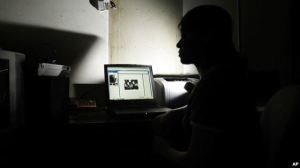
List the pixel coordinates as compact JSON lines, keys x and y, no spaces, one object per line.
{"x":103,"y":116}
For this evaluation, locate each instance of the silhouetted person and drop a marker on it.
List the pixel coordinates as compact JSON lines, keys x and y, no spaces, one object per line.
{"x":219,"y":127}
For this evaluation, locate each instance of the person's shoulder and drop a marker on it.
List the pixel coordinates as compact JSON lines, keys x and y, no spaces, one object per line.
{"x":232,"y":70}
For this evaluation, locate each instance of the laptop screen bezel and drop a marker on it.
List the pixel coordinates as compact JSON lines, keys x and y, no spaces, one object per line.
{"x":131,"y":101}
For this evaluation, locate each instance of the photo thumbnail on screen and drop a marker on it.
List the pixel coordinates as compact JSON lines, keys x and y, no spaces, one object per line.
{"x":131,"y":84}
{"x":113,"y":80}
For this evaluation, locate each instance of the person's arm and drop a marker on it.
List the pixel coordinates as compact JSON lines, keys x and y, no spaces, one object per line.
{"x":162,"y":123}
{"x":204,"y":138}
{"x":203,"y":144}
{"x":199,"y":153}
{"x":161,"y":147}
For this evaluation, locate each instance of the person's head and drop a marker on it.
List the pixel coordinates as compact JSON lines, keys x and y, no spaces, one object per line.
{"x":206,"y":32}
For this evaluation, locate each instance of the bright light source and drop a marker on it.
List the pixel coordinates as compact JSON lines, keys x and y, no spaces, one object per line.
{"x":106,"y":5}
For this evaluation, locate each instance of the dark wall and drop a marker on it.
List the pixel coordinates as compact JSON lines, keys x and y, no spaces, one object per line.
{"x":295,"y":38}
{"x":266,"y":37}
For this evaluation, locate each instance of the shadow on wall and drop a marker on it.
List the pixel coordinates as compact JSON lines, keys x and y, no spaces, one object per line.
{"x":41,"y":44}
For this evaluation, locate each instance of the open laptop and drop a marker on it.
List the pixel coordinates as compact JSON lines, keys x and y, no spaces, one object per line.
{"x":131,"y":90}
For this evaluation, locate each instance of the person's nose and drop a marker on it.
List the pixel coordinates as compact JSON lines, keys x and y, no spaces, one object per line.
{"x":178,"y":45}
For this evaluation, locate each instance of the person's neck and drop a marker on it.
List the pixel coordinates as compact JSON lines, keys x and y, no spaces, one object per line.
{"x":206,"y":65}
{"x":203,"y":69}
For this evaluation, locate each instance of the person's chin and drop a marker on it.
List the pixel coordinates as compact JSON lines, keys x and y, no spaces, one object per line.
{"x":185,"y":61}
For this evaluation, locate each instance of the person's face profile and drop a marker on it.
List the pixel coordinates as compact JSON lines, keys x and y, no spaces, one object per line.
{"x":190,"y":47}
{"x":205,"y":31}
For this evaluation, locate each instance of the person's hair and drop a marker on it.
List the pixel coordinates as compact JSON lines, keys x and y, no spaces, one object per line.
{"x":208,"y":18}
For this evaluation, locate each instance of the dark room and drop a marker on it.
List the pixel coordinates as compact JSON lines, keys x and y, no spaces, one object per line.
{"x":150,"y":83}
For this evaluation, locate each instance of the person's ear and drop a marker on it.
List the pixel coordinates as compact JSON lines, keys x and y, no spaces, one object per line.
{"x":210,"y":37}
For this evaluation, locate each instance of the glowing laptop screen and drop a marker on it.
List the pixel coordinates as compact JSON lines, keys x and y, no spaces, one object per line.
{"x":129,"y":83}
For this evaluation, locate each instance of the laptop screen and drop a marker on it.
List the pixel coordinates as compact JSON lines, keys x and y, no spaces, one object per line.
{"x":129,"y":82}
